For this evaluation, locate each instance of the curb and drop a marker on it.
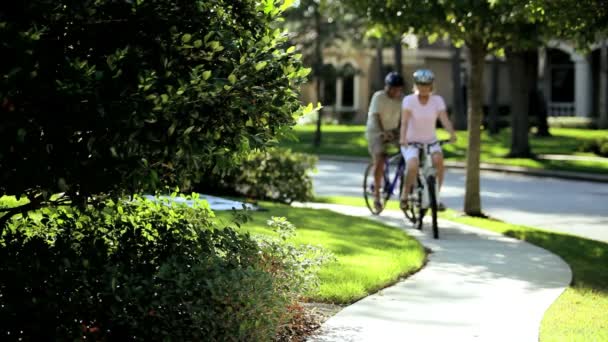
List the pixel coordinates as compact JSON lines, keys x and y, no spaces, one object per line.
{"x":579,"y":176}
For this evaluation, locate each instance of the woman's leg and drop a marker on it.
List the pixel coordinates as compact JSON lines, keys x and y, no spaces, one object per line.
{"x":437,"y":158}
{"x":439,"y":166}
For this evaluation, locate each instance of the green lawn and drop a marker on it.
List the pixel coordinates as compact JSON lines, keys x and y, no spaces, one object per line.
{"x":581,"y":312}
{"x":370,"y":255}
{"x":345,"y":140}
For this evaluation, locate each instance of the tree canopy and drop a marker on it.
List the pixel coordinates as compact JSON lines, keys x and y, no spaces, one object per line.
{"x":113,"y":97}
{"x":483,"y":26}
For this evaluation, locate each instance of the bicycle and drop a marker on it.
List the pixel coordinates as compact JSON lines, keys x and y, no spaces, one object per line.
{"x":394,"y":167}
{"x":420,"y":199}
{"x":424,"y":194}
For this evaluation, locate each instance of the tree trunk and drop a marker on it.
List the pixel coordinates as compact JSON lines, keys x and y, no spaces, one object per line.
{"x":493,"y":127}
{"x":602,"y":121}
{"x":519,"y":71}
{"x":380,"y":64}
{"x":472,"y":198}
{"x":398,"y":57}
{"x":542,"y":113}
{"x":319,"y":66}
{"x":458,"y":116}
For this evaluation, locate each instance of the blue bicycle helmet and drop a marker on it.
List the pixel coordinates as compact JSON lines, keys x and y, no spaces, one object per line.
{"x":423,"y":76}
{"x":393,"y":79}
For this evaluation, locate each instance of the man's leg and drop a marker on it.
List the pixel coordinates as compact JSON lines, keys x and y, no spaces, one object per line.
{"x":378,"y":174}
{"x":376,"y":150}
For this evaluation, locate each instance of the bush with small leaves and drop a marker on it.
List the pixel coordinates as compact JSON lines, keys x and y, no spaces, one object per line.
{"x":119,"y":97}
{"x":598,"y":146}
{"x":136,"y":270}
{"x":275,"y":174}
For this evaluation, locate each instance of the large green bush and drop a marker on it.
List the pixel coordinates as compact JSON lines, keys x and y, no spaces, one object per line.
{"x":139,"y":270}
{"x":101,"y":97}
{"x":276,"y":174}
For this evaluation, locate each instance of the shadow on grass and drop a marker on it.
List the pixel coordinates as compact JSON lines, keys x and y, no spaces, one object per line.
{"x":587,"y":258}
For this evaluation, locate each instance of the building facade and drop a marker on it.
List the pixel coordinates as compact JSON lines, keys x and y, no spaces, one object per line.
{"x":573,"y":84}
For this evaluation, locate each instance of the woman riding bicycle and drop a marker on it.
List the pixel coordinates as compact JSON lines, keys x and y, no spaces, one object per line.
{"x":420,"y":112}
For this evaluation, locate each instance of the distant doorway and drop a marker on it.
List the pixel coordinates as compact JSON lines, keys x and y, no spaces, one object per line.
{"x":561,"y":83}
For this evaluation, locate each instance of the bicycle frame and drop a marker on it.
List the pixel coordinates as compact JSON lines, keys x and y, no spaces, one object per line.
{"x":427,"y":177}
{"x":394,"y":167}
{"x":425,"y":170}
{"x":390,"y":185}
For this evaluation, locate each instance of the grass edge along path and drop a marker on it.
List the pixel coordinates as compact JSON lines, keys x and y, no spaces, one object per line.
{"x":349,"y":140}
{"x":370,"y":255}
{"x":581,"y":312}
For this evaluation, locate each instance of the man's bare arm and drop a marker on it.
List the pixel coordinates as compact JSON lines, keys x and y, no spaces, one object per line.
{"x":379,"y":121}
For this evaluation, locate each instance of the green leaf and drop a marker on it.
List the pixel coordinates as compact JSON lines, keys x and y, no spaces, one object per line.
{"x":198,"y":43}
{"x":215,"y":45}
{"x":304,"y":72}
{"x":188,"y":130}
{"x":269,"y":6}
{"x":232,"y":78}
{"x":286,"y":4}
{"x":171,"y":129}
{"x":206,"y":75}
{"x":260,"y":65}
{"x":186,"y":38}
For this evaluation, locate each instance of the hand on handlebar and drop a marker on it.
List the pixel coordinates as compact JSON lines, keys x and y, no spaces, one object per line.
{"x":387,"y":135}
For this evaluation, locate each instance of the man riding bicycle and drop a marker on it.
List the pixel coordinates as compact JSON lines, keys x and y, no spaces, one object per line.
{"x":383,"y":126}
{"x":418,"y":124}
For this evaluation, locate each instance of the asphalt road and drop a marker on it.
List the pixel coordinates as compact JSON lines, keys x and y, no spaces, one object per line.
{"x":574,"y":207}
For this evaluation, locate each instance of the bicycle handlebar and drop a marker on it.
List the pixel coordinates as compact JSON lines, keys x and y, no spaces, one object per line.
{"x":420,"y":145}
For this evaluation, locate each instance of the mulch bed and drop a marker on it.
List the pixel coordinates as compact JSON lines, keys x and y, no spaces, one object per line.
{"x":308,"y":317}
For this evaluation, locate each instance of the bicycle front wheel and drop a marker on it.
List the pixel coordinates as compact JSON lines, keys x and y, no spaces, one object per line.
{"x":431,"y":182}
{"x":368,"y":190}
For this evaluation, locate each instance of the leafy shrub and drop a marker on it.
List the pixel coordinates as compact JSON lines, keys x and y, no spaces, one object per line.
{"x":295,"y":266}
{"x":120,"y":97}
{"x":598,"y":146}
{"x":275,"y":174}
{"x":138,"y":270}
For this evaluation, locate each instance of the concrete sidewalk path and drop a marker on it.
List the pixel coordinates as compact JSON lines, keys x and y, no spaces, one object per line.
{"x":477,"y":286}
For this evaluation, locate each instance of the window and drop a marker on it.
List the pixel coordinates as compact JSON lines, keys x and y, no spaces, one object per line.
{"x":328,"y":85}
{"x":348,"y":86}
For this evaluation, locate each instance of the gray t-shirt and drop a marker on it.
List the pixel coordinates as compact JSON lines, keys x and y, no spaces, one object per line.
{"x":388,"y":109}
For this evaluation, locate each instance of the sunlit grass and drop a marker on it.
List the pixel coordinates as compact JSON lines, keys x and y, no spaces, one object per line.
{"x":370,"y":255}
{"x":581,"y":312}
